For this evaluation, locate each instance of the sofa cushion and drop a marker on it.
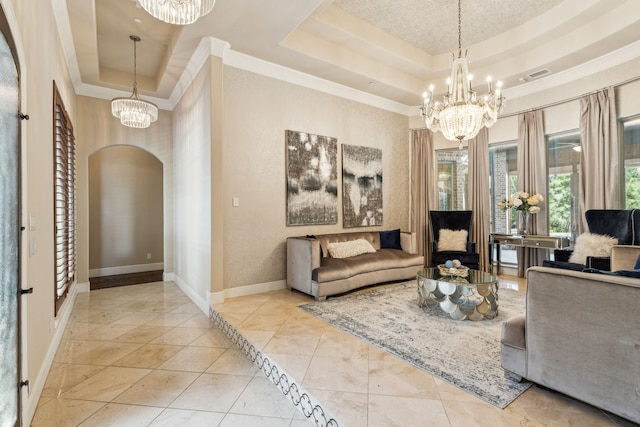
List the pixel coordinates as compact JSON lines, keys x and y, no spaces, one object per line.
{"x":349,"y":249}
{"x":342,"y":268}
{"x":452,"y":240}
{"x":372,"y":237}
{"x":588,"y":244}
{"x":390,"y":239}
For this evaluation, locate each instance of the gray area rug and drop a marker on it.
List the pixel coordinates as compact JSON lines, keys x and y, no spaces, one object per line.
{"x":465,"y":354}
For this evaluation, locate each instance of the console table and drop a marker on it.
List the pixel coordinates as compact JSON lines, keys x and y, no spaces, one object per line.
{"x":522,"y":241}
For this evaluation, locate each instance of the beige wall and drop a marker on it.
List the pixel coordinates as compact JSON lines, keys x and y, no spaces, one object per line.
{"x":95,"y":129}
{"x":125,"y":211}
{"x":257,"y":111}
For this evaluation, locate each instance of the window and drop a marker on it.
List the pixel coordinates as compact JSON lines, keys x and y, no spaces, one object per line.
{"x":631,"y":156}
{"x":453,"y":173}
{"x":65,"y":200}
{"x":503,"y":182}
{"x":563,"y":184}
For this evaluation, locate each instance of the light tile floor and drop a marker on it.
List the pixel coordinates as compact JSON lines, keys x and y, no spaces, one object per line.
{"x":145,"y":355}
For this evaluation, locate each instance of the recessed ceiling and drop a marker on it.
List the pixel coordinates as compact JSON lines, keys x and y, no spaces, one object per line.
{"x":389,"y":48}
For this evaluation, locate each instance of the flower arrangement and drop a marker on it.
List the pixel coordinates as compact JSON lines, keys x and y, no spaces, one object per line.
{"x":522,"y":201}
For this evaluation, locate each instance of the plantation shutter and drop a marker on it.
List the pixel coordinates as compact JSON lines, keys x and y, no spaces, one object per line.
{"x":65,"y":201}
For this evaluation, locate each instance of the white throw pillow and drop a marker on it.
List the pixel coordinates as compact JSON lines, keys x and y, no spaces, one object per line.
{"x":350,"y":248}
{"x":452,"y":240}
{"x":588,"y":244}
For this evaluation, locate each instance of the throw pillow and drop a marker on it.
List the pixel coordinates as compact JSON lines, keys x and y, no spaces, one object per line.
{"x":637,"y":266}
{"x":350,"y":248}
{"x":588,"y":244}
{"x":626,"y":273}
{"x":452,"y":240}
{"x":390,"y":239}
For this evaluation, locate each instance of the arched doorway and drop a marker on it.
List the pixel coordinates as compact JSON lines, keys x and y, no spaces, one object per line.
{"x":125,"y":217}
{"x":9,"y":229}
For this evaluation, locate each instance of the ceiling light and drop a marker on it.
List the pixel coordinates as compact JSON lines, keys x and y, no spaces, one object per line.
{"x":133,"y":111}
{"x":178,"y":12}
{"x":461,"y":114}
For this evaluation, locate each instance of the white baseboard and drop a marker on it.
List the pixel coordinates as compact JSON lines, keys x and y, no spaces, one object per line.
{"x":258,"y":288}
{"x":125,"y":269}
{"x":30,"y":400}
{"x":83,"y":287}
{"x":241,"y":291}
{"x":168,"y":277}
{"x":188,"y":290}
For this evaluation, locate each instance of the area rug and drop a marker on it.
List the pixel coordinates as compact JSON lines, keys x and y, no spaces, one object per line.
{"x":465,"y":354}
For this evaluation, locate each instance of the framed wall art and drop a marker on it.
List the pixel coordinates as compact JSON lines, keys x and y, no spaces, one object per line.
{"x":312,"y":179}
{"x":361,"y":186}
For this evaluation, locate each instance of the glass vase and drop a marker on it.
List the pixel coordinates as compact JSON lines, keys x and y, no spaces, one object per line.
{"x":524,"y":219}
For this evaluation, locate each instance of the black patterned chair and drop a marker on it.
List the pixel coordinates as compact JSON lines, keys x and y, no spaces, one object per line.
{"x":453,"y":220}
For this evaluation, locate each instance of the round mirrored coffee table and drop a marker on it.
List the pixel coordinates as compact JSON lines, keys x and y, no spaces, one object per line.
{"x":474,"y":297}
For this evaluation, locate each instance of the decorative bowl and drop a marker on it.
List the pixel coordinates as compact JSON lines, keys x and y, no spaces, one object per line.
{"x":457,"y":272}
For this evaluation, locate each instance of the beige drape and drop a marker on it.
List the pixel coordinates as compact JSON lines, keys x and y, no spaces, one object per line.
{"x":532,"y":178}
{"x":599,"y":155}
{"x":479,"y":194}
{"x":423,"y":188}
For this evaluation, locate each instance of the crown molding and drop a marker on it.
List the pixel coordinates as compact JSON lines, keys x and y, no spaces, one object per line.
{"x":207,"y":47}
{"x":211,"y":46}
{"x":279,"y":72}
{"x":100,"y":92}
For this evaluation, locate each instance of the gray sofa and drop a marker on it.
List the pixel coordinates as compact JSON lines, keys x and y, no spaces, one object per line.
{"x":581,"y":334}
{"x":312,"y":270}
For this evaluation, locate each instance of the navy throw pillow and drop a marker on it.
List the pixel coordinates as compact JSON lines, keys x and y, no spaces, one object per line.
{"x":637,"y":266}
{"x":390,"y":239}
{"x":626,"y":273}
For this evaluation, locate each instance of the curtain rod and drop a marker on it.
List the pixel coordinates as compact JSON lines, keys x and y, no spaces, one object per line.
{"x":564,"y":101}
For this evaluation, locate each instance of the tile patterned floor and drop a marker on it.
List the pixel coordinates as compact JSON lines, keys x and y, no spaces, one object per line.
{"x":144,"y":355}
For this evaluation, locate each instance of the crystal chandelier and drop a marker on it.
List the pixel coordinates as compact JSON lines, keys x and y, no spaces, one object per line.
{"x":461,"y":114}
{"x":133,"y":111}
{"x":178,"y":12}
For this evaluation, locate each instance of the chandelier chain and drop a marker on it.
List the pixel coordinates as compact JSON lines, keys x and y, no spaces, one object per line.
{"x":459,"y":26}
{"x":135,"y":39}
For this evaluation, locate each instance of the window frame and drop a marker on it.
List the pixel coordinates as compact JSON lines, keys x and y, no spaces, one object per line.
{"x":64,"y":201}
{"x":622,"y":178}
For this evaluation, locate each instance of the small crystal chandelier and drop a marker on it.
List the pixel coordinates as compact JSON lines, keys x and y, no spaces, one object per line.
{"x":133,"y":111}
{"x":178,"y":12}
{"x":461,"y":114}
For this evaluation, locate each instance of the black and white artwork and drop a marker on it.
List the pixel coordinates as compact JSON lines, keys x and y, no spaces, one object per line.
{"x":312,"y":179}
{"x":361,"y":186}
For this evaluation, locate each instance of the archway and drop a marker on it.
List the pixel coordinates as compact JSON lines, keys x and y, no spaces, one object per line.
{"x":125,"y":217}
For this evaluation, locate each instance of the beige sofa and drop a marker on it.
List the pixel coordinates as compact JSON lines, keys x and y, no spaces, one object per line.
{"x":312,"y":270}
{"x":581,"y":335}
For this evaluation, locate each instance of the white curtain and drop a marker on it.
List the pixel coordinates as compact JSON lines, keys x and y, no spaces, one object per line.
{"x":532,"y":178}
{"x":479,"y":194}
{"x":599,"y":156}
{"x":423,"y":188}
